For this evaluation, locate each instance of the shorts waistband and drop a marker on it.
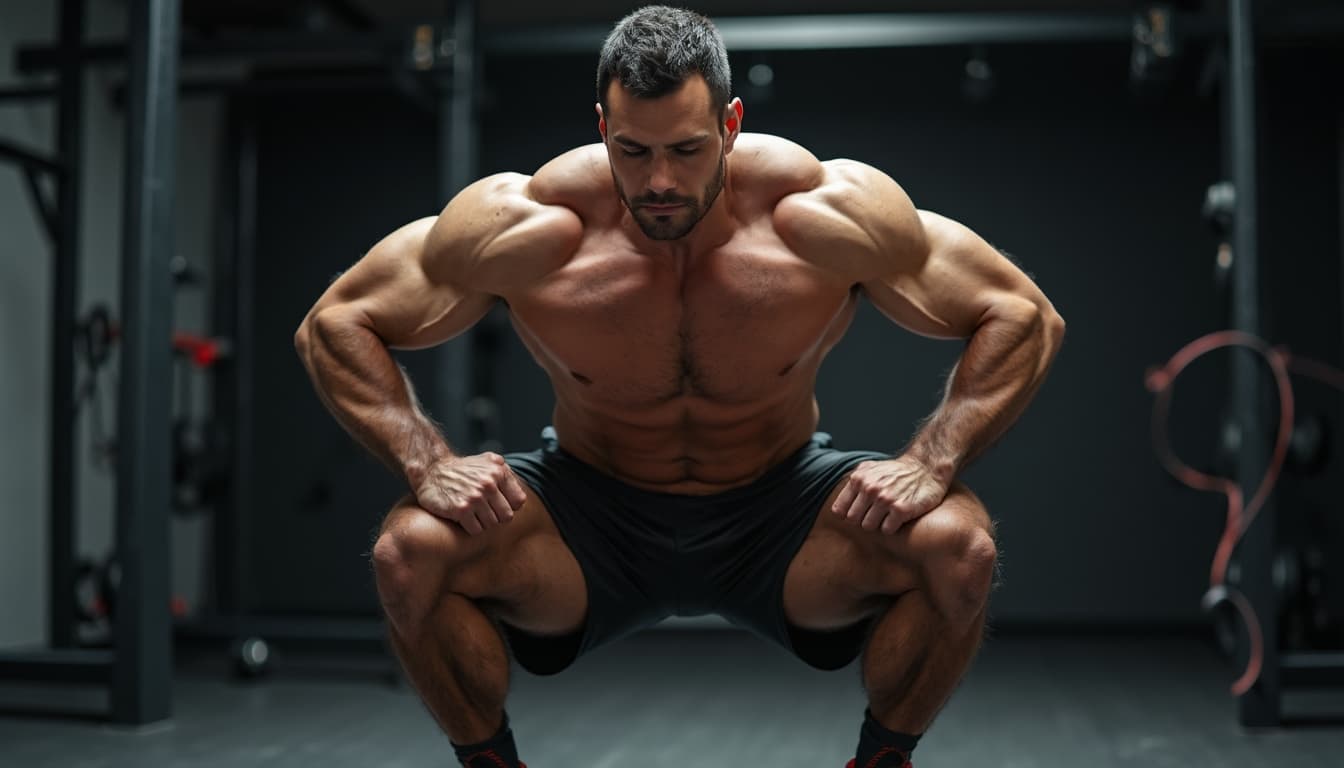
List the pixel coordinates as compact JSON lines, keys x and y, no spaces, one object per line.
{"x":775,"y":474}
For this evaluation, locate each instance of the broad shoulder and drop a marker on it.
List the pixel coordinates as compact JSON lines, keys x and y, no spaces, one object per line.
{"x":507,"y":229}
{"x":855,"y":220}
{"x":765,"y":169}
{"x":579,"y":180}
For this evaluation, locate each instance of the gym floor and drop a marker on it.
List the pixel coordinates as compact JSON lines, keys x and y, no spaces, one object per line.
{"x":692,"y":698}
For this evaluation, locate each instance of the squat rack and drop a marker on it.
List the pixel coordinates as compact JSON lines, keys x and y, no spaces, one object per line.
{"x":138,"y":669}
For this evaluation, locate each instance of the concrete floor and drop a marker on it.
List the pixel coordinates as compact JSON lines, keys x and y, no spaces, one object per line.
{"x":692,"y":699}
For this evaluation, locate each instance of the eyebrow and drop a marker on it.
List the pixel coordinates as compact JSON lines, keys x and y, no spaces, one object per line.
{"x":697,"y":139}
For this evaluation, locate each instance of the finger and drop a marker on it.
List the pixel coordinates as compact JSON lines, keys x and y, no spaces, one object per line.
{"x":846,"y":497}
{"x":859,"y":508}
{"x":469,"y":523}
{"x":860,"y":499}
{"x":875,"y":516}
{"x":891,"y":525}
{"x":514,"y":491}
{"x":484,"y":513}
{"x":499,"y":506}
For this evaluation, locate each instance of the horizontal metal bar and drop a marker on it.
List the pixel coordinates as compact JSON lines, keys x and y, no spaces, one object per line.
{"x":28,"y":158}
{"x":828,"y":32}
{"x":895,"y":31}
{"x":1312,"y":669}
{"x":57,"y":666}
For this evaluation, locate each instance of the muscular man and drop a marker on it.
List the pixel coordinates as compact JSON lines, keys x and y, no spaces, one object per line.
{"x":680,"y":283}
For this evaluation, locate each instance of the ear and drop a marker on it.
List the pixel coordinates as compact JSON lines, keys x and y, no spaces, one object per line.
{"x":732,"y":123}
{"x":601,"y":121}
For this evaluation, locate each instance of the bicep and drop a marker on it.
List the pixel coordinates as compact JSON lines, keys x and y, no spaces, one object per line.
{"x":943,"y":280}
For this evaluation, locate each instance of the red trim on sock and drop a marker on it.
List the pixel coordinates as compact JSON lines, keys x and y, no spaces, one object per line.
{"x":488,"y":754}
{"x":883,"y":752}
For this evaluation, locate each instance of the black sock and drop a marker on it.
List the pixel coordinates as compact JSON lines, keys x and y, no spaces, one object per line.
{"x":881,"y":748}
{"x":498,"y":751}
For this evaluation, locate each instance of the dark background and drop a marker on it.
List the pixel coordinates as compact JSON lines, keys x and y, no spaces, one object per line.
{"x":1094,"y":188}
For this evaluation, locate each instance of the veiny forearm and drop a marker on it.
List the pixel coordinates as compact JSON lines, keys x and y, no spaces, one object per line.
{"x":1000,"y":371}
{"x":361,"y":384}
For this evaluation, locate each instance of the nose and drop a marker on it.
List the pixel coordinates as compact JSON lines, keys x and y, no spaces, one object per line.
{"x":660,"y":176}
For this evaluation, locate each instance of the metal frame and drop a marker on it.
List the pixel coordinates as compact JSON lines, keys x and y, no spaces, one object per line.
{"x":69,"y":125}
{"x":1262,"y":705}
{"x":142,"y":675}
{"x":138,"y":671}
{"x":34,"y":166}
{"x":1259,"y":706}
{"x":61,"y":663}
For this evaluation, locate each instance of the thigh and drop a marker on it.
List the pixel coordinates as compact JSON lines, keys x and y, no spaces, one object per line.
{"x":522,"y":572}
{"x":843,"y":574}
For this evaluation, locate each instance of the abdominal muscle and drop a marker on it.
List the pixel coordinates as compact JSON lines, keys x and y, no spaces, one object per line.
{"x":687,"y":445}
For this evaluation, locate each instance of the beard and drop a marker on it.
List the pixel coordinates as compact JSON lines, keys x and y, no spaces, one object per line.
{"x":679,"y":223}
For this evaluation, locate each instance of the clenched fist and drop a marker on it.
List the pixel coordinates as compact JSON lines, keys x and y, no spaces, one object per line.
{"x":476,"y":492}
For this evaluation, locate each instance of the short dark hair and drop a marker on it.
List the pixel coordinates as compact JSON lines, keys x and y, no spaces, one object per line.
{"x":655,"y":49}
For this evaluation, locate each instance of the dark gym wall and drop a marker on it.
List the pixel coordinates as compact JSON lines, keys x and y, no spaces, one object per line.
{"x":1096,"y":195}
{"x":337,"y":172}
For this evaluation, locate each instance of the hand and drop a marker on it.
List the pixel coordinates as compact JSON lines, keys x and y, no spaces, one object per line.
{"x":888,"y":494}
{"x":476,"y":492}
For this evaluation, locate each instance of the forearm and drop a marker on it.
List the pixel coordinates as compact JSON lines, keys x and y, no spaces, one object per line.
{"x":357,"y":379}
{"x":1000,"y":371}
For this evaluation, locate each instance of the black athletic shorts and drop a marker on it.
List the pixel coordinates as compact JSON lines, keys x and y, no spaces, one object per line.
{"x":647,"y":555}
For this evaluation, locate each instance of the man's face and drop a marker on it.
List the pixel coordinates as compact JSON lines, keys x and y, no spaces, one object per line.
{"x":667,"y":156}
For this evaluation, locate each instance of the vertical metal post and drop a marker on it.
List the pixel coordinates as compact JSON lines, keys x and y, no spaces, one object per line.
{"x":1260,"y":705}
{"x":65,"y":271}
{"x":457,"y":169}
{"x":142,"y":674}
{"x":462,"y":138}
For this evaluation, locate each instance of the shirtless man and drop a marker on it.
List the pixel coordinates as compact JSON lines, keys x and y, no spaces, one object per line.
{"x":680,"y":283}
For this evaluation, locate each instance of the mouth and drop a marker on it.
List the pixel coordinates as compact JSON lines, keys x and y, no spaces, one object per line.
{"x":662,"y":210}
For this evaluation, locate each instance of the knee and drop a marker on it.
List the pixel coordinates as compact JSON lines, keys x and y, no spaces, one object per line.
{"x":394,"y":574}
{"x":410,"y":559}
{"x":392,"y":564}
{"x":964,"y":576}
